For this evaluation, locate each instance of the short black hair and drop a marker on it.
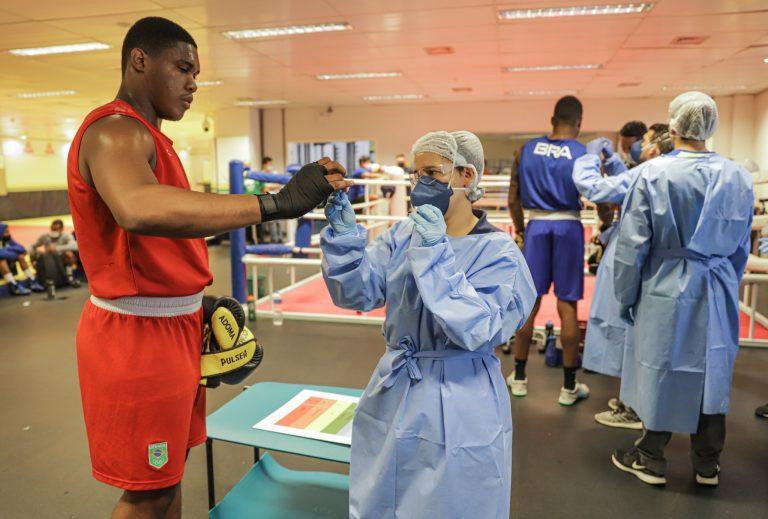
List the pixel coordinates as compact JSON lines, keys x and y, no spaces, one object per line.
{"x":568,"y":110}
{"x":364,"y":158}
{"x":265,"y":160}
{"x":658,"y":128}
{"x":57,"y":222}
{"x":633,"y":129}
{"x":153,"y":35}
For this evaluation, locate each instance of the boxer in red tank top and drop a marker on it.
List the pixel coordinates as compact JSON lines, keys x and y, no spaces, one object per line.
{"x":140,"y":231}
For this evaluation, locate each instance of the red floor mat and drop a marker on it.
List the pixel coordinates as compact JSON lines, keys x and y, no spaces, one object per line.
{"x":314,"y":298}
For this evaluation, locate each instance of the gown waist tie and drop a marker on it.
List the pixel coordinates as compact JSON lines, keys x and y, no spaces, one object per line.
{"x":683,"y":253}
{"x":404,"y":355}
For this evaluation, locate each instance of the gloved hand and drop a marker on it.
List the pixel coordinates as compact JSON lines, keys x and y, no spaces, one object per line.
{"x":340,"y":214}
{"x":607,"y":148}
{"x":763,"y":245}
{"x":307,"y":189}
{"x":595,"y":146}
{"x":429,"y":223}
{"x":627,"y":314}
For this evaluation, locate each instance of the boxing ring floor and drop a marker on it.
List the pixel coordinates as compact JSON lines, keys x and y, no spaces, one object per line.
{"x":310,"y":298}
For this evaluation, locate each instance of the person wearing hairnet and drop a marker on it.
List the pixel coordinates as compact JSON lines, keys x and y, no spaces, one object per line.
{"x":681,"y":250}
{"x":553,"y":241}
{"x":432,"y":435}
{"x":607,"y":339}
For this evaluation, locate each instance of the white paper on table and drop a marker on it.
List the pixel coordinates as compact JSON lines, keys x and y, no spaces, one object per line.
{"x":344,"y":436}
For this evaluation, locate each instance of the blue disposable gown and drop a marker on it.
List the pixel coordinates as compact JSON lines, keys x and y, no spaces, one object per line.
{"x":683,"y":243}
{"x":432,"y":436}
{"x":607,"y":337}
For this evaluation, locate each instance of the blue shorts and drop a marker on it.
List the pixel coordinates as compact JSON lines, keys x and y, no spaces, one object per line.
{"x":554,"y":251}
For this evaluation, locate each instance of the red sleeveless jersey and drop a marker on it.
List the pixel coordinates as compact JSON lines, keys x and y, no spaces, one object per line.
{"x":119,"y":263}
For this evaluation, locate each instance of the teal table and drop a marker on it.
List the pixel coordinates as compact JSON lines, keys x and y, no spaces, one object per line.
{"x":233,"y":423}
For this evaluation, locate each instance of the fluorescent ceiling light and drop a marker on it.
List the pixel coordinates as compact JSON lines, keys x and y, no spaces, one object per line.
{"x":765,"y":60}
{"x":216,"y":82}
{"x":396,"y":97}
{"x":552,"y":68}
{"x":584,"y":10}
{"x":257,"y":102}
{"x":52,"y":93}
{"x":540,"y":93}
{"x":271,"y":32}
{"x":59,"y":49}
{"x":359,"y":75}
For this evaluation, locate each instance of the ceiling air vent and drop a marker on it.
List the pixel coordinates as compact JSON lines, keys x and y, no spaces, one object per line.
{"x":627,"y":84}
{"x":438,"y":51}
{"x":462,"y":90}
{"x":689,"y":40}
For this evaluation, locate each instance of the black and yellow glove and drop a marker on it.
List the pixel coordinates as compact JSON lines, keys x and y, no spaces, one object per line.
{"x":230,"y":351}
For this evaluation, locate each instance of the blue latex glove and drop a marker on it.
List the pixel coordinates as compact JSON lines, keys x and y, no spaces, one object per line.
{"x":430,"y":224}
{"x":627,"y":314}
{"x":763,"y":245}
{"x":607,"y":148}
{"x":340,"y":214}
{"x":595,"y":146}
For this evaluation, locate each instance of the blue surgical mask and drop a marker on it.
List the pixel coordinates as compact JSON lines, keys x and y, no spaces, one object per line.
{"x":432,"y":192}
{"x":635,"y":150}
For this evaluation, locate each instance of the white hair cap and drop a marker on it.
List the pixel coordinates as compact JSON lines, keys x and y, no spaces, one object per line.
{"x":693,"y":115}
{"x":463,"y":148}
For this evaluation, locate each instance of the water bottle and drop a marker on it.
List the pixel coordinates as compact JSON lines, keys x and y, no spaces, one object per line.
{"x":552,"y":357}
{"x":277,"y":318}
{"x":50,"y":289}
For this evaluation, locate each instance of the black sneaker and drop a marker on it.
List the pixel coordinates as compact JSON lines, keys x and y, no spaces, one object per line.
{"x":629,"y":461}
{"x":762,"y":411}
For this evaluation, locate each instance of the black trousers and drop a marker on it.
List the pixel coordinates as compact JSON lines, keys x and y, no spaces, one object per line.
{"x":706,"y":445}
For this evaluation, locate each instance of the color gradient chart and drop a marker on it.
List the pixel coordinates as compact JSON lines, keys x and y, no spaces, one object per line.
{"x":314,"y":414}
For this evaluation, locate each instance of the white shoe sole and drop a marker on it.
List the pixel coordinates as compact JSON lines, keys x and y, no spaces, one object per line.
{"x":708,"y":482}
{"x":642,"y":476}
{"x":637,"y":426}
{"x":571,"y":400}
{"x":516,"y":391}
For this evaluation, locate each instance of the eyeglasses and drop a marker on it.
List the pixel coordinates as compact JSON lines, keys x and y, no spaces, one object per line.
{"x":429,"y":175}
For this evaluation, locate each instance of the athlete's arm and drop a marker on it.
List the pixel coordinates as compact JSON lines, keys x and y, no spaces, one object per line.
{"x":116,"y":157}
{"x":514,"y":202}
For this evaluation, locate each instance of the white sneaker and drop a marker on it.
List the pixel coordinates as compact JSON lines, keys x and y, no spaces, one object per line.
{"x":580,"y":392}
{"x":518,"y":387}
{"x":621,"y":418}
{"x":709,"y":481}
{"x":614,"y":404}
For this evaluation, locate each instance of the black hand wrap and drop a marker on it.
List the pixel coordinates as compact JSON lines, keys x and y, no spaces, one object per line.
{"x":306,"y":190}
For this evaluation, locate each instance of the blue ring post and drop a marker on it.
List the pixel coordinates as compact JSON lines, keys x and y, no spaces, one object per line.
{"x":237,"y":237}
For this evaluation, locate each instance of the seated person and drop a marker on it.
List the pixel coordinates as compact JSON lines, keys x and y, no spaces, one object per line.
{"x":433,"y":430}
{"x":56,"y":241}
{"x":12,"y":252}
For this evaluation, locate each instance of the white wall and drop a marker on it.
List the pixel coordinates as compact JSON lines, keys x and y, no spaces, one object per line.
{"x":230,"y":148}
{"x":395,"y":127}
{"x":760,"y":140}
{"x":37,"y":171}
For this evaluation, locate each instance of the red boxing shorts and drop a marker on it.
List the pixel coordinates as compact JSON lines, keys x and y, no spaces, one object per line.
{"x":138,"y":361}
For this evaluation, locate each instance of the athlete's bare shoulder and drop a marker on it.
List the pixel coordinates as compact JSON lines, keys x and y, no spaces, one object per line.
{"x":114,"y":135}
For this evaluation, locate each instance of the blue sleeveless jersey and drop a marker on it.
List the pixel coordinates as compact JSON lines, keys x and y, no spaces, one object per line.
{"x":546,"y":174}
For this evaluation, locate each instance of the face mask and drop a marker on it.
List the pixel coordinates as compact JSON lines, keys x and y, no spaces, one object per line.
{"x":635,"y":150}
{"x":430,"y":191}
{"x":54,"y":235}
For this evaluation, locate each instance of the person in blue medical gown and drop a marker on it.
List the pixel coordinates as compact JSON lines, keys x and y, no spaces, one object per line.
{"x":432,"y":436}
{"x":682,"y":246}
{"x":607,"y":337}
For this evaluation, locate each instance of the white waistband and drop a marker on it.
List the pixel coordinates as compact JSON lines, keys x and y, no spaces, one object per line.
{"x":151,"y":306}
{"x":538,"y":214}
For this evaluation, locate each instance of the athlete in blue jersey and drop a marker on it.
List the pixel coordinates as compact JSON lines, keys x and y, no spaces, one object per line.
{"x":553,"y":242}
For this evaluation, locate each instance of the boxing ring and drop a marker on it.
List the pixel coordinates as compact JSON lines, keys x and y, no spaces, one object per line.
{"x":308,"y":299}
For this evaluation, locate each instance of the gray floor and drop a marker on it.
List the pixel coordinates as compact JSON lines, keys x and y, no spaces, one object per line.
{"x":561,"y":456}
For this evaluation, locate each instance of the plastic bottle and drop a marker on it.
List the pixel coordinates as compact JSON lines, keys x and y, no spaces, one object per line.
{"x":277,"y":318}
